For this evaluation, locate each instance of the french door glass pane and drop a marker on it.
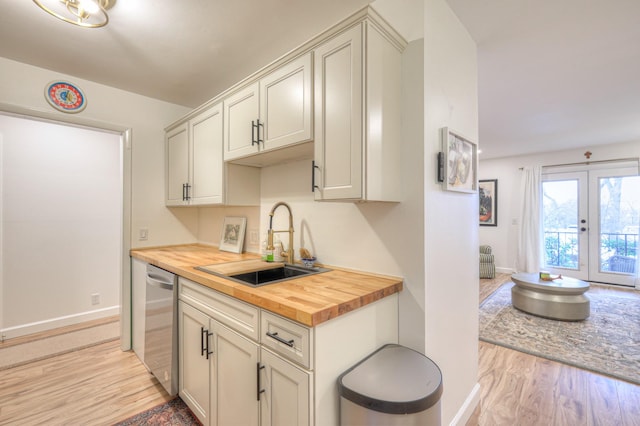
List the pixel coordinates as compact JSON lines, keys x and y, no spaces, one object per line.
{"x":619,"y":217}
{"x":560,"y":222}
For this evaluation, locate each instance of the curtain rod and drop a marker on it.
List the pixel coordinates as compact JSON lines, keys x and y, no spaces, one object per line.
{"x":586,"y":163}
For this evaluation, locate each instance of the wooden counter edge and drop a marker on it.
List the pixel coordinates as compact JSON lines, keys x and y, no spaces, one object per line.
{"x":249,"y":295}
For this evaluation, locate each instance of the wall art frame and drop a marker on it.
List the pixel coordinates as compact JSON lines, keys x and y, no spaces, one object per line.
{"x":488,"y":202}
{"x":460,"y":158}
{"x":233,"y":230}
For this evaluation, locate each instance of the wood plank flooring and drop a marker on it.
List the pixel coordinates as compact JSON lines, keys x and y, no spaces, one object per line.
{"x":521,"y":389}
{"x":100,"y":385}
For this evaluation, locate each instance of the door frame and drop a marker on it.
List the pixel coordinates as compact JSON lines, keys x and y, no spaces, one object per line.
{"x":595,"y":274}
{"x":582,"y":177}
{"x":125,"y":133}
{"x":625,"y":166}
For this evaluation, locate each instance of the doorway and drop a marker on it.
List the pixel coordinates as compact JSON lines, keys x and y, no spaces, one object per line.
{"x":62,"y":219}
{"x":591,"y":223}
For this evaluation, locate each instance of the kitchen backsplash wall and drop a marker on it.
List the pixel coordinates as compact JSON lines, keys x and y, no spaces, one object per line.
{"x":211,"y":219}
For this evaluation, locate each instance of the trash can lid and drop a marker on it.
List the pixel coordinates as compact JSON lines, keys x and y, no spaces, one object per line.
{"x":394,"y":380}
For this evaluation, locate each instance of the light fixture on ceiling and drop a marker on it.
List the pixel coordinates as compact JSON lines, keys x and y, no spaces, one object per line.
{"x":84,"y":13}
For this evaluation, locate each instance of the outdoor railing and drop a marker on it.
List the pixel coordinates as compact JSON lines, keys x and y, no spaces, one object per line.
{"x":561,"y":248}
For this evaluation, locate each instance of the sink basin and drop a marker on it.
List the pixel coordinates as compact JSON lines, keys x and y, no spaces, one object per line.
{"x":270,"y":274}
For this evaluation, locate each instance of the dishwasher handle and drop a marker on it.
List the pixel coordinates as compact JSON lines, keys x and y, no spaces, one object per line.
{"x":159,"y":283}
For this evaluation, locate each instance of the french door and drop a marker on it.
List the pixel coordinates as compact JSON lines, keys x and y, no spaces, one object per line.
{"x":590,"y":224}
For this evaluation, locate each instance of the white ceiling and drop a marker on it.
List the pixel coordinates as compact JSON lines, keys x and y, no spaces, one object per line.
{"x":553,"y":74}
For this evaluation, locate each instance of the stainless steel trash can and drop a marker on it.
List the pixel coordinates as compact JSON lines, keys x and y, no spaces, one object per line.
{"x":394,"y":386}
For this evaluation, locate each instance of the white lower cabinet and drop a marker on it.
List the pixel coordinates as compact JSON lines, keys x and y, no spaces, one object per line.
{"x":218,"y":371}
{"x":285,"y":398}
{"x":194,"y":367}
{"x":242,"y":365}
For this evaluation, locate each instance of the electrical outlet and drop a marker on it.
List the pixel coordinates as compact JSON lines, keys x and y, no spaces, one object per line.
{"x":95,"y":299}
{"x":253,"y":236}
{"x":143,"y":234}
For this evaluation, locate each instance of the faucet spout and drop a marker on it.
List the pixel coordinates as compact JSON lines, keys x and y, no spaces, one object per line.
{"x":289,"y":252}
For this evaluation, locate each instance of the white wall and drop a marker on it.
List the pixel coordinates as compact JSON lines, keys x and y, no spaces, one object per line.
{"x":210,"y":220}
{"x":504,"y":237}
{"x":22,"y":91}
{"x":61,"y":224}
{"x":23,"y":86}
{"x":451,"y":230}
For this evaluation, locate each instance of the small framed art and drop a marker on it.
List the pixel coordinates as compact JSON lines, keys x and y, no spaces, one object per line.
{"x":460,"y":162}
{"x":233,"y":230}
{"x":488,"y":198}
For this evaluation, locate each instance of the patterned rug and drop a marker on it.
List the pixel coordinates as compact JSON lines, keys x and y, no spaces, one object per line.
{"x":608,"y":342}
{"x":172,"y":413}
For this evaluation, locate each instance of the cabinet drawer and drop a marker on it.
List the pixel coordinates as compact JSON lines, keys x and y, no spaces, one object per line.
{"x":286,"y":338}
{"x":237,"y":315}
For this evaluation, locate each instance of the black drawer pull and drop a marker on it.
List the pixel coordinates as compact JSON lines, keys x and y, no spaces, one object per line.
{"x":280,"y":339}
{"x":259,"y":391}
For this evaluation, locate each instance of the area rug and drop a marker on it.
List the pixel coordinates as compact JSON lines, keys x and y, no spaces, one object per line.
{"x":13,"y":356}
{"x":608,"y":342}
{"x":172,"y":413}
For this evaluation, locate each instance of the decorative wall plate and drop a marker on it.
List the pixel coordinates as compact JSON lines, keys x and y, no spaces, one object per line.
{"x":65,"y":97}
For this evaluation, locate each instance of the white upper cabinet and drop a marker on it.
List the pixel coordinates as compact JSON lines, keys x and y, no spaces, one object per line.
{"x":177,"y":165}
{"x":242,"y":123}
{"x":271,"y":113}
{"x":196,"y":172}
{"x":206,"y":163}
{"x":357,"y":83}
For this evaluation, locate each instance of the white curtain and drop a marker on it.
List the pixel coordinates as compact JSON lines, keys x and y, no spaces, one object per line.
{"x":529,"y":255}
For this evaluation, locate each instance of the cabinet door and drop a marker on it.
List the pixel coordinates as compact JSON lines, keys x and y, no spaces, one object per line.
{"x":193,"y":364}
{"x":177,"y":165}
{"x":285,"y":104}
{"x":207,"y":165}
{"x":240,"y":109}
{"x":235,"y":379}
{"x":338,"y":117}
{"x":286,"y":400}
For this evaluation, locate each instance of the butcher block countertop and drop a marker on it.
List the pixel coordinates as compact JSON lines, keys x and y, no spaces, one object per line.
{"x":309,"y":300}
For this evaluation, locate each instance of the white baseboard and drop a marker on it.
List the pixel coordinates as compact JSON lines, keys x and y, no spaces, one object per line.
{"x":470,"y":404}
{"x":505,"y":271}
{"x":50,"y":324}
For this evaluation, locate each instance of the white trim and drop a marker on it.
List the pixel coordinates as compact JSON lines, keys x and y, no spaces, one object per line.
{"x":505,"y":270}
{"x":466,"y":410}
{"x":49,"y":324}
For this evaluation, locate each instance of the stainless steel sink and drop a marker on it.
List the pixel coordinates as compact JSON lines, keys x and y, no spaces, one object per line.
{"x":269,"y":275}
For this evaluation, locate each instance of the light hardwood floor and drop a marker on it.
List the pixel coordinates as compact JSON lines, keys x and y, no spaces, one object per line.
{"x":100,"y":385}
{"x":520,"y":389}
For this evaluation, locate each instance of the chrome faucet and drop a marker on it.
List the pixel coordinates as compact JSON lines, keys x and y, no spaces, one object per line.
{"x":288,"y":253}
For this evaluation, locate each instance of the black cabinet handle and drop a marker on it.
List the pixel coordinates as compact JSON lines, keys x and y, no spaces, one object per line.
{"x":313,"y":176}
{"x":202,"y":331}
{"x":253,"y":132}
{"x":258,"y":129}
{"x":280,"y":339}
{"x":184,"y":188}
{"x":188,"y":187}
{"x":208,"y":352}
{"x":258,"y":390}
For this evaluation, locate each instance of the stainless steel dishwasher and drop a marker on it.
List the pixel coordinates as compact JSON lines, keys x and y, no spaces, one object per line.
{"x":161,"y":327}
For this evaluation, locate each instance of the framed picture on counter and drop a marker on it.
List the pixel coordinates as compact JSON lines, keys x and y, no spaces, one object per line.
{"x":233,"y":230}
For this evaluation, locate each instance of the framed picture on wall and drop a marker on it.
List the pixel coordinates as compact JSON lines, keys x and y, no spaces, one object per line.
{"x":460,"y":162}
{"x":233,"y":230}
{"x":488,"y":198}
